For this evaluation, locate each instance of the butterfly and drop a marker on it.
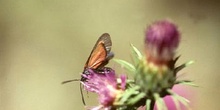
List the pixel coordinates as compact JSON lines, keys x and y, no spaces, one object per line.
{"x":98,"y":58}
{"x":100,"y":55}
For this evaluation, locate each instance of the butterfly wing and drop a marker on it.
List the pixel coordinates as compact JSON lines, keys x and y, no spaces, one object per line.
{"x":107,"y":41}
{"x":100,"y":53}
{"x":99,"y":56}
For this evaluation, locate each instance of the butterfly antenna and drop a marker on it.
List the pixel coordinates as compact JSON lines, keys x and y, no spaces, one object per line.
{"x":64,"y":82}
{"x":82,"y":95}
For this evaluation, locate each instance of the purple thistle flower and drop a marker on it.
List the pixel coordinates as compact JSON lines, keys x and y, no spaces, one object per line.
{"x":162,"y":39}
{"x":105,"y":85}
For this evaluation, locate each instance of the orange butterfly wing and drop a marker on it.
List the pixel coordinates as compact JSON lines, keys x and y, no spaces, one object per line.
{"x":99,"y":54}
{"x":97,"y":57}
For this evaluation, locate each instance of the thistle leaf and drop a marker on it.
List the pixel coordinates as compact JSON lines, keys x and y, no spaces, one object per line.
{"x":160,"y":102}
{"x":176,"y":102}
{"x":181,"y":99}
{"x":128,"y":66}
{"x":136,"y":52}
{"x":177,"y":69}
{"x":148,"y":101}
{"x":129,"y":93}
{"x":186,"y":82}
{"x":177,"y":58}
{"x":136,"y":98}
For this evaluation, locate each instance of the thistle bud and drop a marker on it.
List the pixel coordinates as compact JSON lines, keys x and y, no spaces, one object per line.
{"x":161,"y":40}
{"x":156,"y":73}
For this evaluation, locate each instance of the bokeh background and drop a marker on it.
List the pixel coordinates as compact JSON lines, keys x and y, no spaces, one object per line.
{"x":45,"y":42}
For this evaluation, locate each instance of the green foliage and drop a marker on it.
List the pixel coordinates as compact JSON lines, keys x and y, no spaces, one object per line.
{"x":124,"y":64}
{"x":136,"y":54}
{"x":177,"y":69}
{"x":148,"y":102}
{"x":186,"y":82}
{"x":131,"y":96}
{"x":160,"y":102}
{"x":181,"y":99}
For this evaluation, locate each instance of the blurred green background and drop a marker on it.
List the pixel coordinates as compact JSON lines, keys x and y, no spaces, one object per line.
{"x":45,"y":42}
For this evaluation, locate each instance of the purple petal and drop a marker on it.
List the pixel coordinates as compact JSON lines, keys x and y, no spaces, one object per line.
{"x":123,"y":82}
{"x":104,"y":84}
{"x":162,"y":39}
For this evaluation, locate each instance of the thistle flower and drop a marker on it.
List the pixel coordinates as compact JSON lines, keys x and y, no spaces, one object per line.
{"x":161,"y":40}
{"x":106,"y":86}
{"x":155,"y":72}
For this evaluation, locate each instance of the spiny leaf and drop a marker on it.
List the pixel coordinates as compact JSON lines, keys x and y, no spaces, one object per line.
{"x":130,"y":81}
{"x":128,"y":66}
{"x":135,"y":99}
{"x":160,"y":102}
{"x":177,"y":69}
{"x":176,"y":102}
{"x":181,"y":99}
{"x":175,"y":60}
{"x":136,"y":55}
{"x":148,"y":101}
{"x":130,"y":92}
{"x":136,"y":52}
{"x":186,"y":82}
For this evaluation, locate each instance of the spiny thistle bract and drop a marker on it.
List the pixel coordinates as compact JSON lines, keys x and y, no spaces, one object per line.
{"x":154,"y":74}
{"x":151,"y":83}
